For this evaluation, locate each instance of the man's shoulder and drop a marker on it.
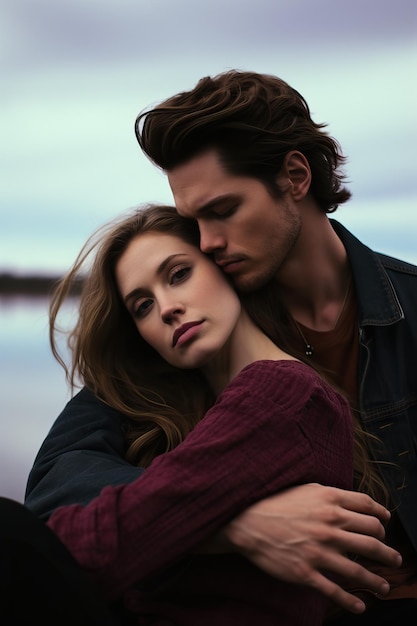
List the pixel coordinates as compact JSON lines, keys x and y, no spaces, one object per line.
{"x":357,"y":250}
{"x":85,"y":398}
{"x":397,"y":265}
{"x":86,"y":415}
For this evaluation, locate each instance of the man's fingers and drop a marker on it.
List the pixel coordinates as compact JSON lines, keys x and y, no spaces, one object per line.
{"x":354,"y":511}
{"x":306,"y":535}
{"x":364,"y":525}
{"x":366,"y":546}
{"x":339,"y":596}
{"x":359,"y":503}
{"x":313,"y":575}
{"x":352,"y":573}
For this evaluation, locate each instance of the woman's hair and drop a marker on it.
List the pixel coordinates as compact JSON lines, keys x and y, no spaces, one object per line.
{"x":161,"y":403}
{"x":252,"y":120}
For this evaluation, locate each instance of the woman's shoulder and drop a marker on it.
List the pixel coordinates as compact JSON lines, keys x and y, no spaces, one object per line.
{"x":287,"y":380}
{"x":282,"y":368}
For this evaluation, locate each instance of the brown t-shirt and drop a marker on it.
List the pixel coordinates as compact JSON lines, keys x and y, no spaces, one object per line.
{"x":336,"y":352}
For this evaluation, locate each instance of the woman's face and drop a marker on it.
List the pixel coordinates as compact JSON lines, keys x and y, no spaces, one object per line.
{"x":179,"y":299}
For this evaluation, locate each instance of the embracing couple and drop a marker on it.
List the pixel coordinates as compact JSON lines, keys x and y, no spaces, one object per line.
{"x":242,"y":449}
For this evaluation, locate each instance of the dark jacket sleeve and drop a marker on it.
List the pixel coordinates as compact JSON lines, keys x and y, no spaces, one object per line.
{"x":82,"y":453}
{"x":276,"y":425}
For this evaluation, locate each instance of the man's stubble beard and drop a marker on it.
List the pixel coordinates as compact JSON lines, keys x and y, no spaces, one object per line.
{"x":259,"y":279}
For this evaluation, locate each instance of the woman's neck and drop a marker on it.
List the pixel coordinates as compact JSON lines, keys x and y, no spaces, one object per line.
{"x":246,"y":345}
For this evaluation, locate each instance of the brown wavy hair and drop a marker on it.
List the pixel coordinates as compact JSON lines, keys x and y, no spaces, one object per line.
{"x":161,"y":403}
{"x":252,"y":120}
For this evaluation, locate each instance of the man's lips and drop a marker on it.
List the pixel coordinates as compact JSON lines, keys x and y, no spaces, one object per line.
{"x":228,"y":265}
{"x":182,"y":331}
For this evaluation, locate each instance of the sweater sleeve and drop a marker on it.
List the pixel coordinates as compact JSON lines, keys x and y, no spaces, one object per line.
{"x":276,"y":425}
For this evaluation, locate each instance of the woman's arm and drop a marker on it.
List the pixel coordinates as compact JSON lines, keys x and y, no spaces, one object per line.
{"x":275,"y":426}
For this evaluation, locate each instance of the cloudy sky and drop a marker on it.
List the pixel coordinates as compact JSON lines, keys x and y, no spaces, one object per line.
{"x":75,"y":73}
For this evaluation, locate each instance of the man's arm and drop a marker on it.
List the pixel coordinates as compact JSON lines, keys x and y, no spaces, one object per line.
{"x":304,"y":534}
{"x":295,"y":535}
{"x":227,"y":462}
{"x":82,"y":453}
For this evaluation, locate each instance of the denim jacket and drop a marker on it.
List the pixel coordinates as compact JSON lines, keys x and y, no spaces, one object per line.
{"x":84,"y":449}
{"x":386,"y":290}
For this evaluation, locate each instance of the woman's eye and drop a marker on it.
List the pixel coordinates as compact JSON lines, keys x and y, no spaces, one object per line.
{"x":142,"y":308}
{"x":179,"y":274}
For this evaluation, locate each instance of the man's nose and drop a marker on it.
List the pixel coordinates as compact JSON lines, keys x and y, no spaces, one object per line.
{"x":211,"y":238}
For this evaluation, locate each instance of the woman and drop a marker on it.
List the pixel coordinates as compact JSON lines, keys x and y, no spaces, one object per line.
{"x":162,"y":336}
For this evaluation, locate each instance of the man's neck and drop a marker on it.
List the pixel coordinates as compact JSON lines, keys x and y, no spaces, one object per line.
{"x":315,"y":281}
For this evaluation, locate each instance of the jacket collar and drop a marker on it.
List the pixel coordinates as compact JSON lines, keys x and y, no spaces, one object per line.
{"x":378,"y":304}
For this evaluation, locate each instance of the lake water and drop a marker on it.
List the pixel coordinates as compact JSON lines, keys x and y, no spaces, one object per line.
{"x":33,"y":389}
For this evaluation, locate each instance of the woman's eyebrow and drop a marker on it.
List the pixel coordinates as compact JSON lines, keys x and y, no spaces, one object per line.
{"x":139,"y":291}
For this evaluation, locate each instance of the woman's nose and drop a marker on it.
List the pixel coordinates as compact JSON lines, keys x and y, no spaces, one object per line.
{"x":170,"y":311}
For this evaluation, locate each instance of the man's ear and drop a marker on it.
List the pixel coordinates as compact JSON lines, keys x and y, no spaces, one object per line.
{"x":295,"y":175}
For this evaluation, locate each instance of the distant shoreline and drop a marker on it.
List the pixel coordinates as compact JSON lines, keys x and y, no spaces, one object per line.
{"x":11,"y":285}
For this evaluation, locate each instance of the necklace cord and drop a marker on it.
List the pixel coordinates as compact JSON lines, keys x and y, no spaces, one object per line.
{"x":309,"y":349}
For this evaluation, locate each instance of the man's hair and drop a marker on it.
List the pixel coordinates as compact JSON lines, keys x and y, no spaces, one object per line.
{"x":252,"y":120}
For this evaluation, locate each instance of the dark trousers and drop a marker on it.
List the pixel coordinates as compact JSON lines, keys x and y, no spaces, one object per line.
{"x":382,"y":613}
{"x":40,"y":583}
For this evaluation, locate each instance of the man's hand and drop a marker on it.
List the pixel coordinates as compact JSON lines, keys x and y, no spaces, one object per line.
{"x":307,"y":530}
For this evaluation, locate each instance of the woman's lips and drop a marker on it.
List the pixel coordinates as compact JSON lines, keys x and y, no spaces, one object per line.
{"x":185,"y":332}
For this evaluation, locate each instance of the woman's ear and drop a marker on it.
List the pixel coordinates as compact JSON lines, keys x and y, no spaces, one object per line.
{"x":295,"y":175}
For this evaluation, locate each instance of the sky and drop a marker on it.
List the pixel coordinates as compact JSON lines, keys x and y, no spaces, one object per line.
{"x":76,"y":73}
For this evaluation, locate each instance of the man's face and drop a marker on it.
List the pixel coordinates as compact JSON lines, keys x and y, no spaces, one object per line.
{"x":248,"y":232}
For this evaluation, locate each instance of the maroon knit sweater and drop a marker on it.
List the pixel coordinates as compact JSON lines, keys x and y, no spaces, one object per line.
{"x":276,"y":425}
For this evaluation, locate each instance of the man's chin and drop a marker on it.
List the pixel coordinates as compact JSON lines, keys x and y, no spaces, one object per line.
{"x":247,"y":283}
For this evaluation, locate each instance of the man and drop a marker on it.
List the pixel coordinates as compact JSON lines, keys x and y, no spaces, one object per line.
{"x":244,"y":159}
